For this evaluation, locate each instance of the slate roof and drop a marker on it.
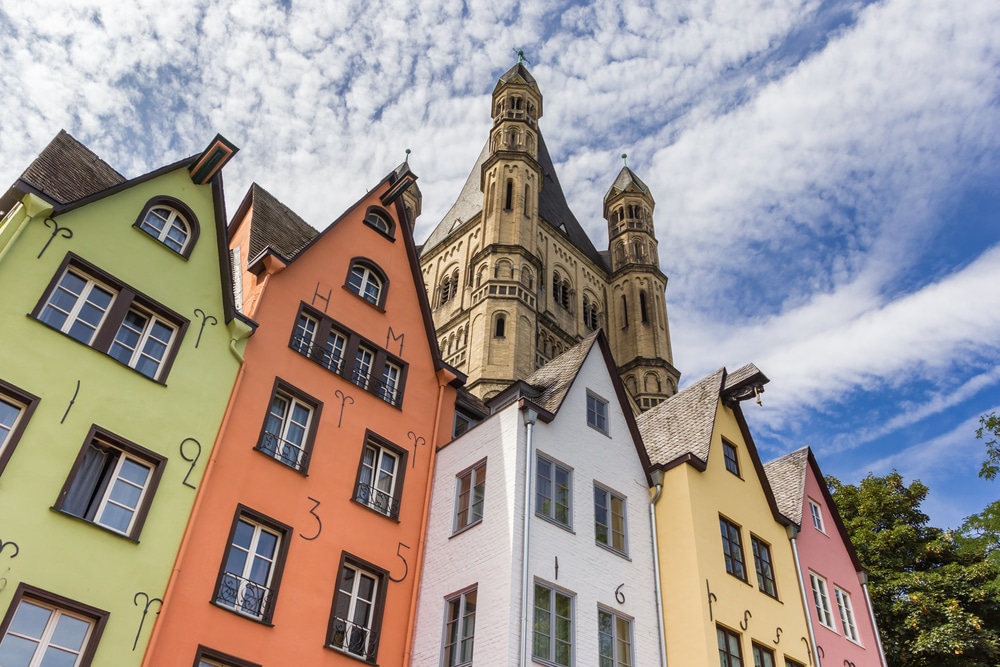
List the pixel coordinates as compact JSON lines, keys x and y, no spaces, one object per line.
{"x":518,"y":70}
{"x":556,"y":377}
{"x":276,"y":226}
{"x":684,"y":422}
{"x":742,"y":374}
{"x":66,"y":171}
{"x":552,"y":207}
{"x":787,"y":476}
{"x":625,"y":178}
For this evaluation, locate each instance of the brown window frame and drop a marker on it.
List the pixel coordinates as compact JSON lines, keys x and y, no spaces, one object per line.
{"x":206,"y":653}
{"x":397,"y":491}
{"x":194,"y":227}
{"x":378,"y":608}
{"x":765,"y":547}
{"x":727,"y":448}
{"x":725,"y":523}
{"x":756,"y":647}
{"x":729,"y":634}
{"x":109,"y":440}
{"x":27,"y":404}
{"x":98,"y":616}
{"x":118,"y":309}
{"x":465,"y":518}
{"x":383,"y":215}
{"x":370,"y":265}
{"x":316,"y":407}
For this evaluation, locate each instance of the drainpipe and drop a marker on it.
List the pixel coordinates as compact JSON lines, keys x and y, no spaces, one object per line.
{"x":530,"y":417}
{"x":444,"y":378}
{"x":33,"y":208}
{"x":792,"y":534}
{"x":657,"y":476}
{"x":863,"y":576}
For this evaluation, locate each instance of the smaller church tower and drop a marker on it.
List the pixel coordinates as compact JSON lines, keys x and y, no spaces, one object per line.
{"x":637,"y":314}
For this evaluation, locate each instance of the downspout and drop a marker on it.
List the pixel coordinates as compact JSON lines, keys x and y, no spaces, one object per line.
{"x":871,"y":615}
{"x":530,"y":417}
{"x":444,"y":378}
{"x":34,"y":208}
{"x":195,"y":508}
{"x":657,"y":476}
{"x":792,"y":535}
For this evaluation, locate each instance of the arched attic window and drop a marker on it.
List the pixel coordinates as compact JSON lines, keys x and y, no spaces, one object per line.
{"x":367,"y":281}
{"x":380,"y":221}
{"x":170,"y":222}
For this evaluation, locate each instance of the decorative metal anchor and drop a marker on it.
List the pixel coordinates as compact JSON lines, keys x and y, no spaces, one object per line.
{"x":66,"y":233}
{"x":198,"y":312}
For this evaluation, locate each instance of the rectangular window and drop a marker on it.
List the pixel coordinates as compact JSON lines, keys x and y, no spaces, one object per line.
{"x":249,"y":578}
{"x":597,"y":413}
{"x":762,"y":656}
{"x":112,"y":483}
{"x":42,"y":629}
{"x":380,"y":476}
{"x":732,"y":462}
{"x":764,"y":566}
{"x":821,"y":598}
{"x":97,"y":310}
{"x":333,"y":346}
{"x":552,"y":639}
{"x":290,"y":427}
{"x":459,"y":629}
{"x":732,"y":549}
{"x":846,"y":613}
{"x":793,"y":663}
{"x":356,"y":618}
{"x":206,"y":657}
{"x":817,"y":515}
{"x":609,"y":519}
{"x":553,"y":491}
{"x":471,"y":496}
{"x":16,"y":408}
{"x":730,"y":651}
{"x":614,"y":639}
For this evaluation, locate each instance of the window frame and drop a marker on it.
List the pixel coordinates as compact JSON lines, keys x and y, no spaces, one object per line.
{"x":205,"y":653}
{"x":452,"y":651}
{"x":821,"y":601}
{"x":727,"y":449}
{"x":551,"y":593}
{"x":378,"y":606}
{"x":369,"y":269}
{"x":98,"y":618}
{"x":381,"y":214}
{"x":721,"y":632}
{"x":615,"y":639}
{"x":728,"y":550}
{"x":556,"y":466}
{"x":25,"y":404}
{"x":816,"y":512}
{"x":757,"y":548}
{"x":598,"y":414}
{"x":609,"y":496}
{"x":476,"y":474}
{"x":262,"y":521}
{"x":181,"y":209}
{"x":372,"y":439}
{"x":123,"y":301}
{"x":757,"y":649}
{"x":104,"y":485}
{"x":846,"y":612}
{"x":291,"y":393}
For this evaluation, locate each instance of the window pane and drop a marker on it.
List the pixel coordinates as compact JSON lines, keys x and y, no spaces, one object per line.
{"x":55,"y":657}
{"x":30,"y":620}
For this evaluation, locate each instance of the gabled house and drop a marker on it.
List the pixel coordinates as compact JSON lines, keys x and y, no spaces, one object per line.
{"x":119,"y":346}
{"x":837,"y":602}
{"x":305,"y":545}
{"x":730,"y":593}
{"x":539,"y":540}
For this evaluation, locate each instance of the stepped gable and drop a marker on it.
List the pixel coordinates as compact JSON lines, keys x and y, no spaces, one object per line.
{"x":787,"y":476}
{"x":683,"y":424}
{"x":276,"y":226}
{"x":66,"y":171}
{"x":555,"y":378}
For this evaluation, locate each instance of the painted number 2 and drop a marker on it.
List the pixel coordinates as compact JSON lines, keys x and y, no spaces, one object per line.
{"x":193,"y":461}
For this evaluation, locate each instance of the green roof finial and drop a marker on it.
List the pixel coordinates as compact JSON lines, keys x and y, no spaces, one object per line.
{"x":407,"y":159}
{"x":624,"y":161}
{"x":521,"y":60}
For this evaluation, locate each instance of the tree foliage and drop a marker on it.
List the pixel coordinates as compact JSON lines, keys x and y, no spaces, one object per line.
{"x":932,"y":593}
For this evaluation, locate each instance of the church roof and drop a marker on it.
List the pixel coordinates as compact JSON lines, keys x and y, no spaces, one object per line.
{"x":552,"y":207}
{"x":67,"y":171}
{"x":626,"y":177}
{"x":276,"y":226}
{"x":515,"y":72}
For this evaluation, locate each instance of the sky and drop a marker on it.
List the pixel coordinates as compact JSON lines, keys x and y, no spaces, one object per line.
{"x":826,"y":172}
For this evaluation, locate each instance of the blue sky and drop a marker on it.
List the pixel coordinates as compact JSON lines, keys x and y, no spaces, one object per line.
{"x":827,"y":173}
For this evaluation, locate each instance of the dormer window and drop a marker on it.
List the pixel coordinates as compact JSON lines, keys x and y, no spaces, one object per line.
{"x":380,"y":221}
{"x":367,"y":281}
{"x":170,"y":222}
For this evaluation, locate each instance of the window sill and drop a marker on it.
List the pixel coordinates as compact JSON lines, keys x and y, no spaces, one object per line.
{"x":346,"y":654}
{"x":377,"y":306}
{"x":567,"y":528}
{"x":304,"y":471}
{"x":381,"y":233}
{"x":739,"y":578}
{"x":373,"y":510}
{"x":599,"y":430}
{"x":129,"y":538}
{"x":185,"y":254}
{"x":232,"y":610}
{"x":465,"y":528}
{"x":620,"y":554}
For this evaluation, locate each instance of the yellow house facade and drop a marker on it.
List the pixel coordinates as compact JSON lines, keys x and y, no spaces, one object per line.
{"x":730,"y":593}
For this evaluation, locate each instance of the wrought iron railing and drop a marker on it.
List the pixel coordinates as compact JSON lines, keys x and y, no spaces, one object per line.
{"x":245,"y":596}
{"x":289,"y":453}
{"x":378,"y":500}
{"x":387,"y":391}
{"x":354,"y":639}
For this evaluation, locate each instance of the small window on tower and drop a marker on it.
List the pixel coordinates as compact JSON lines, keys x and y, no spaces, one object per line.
{"x":499,"y":328}
{"x":509,"y":199}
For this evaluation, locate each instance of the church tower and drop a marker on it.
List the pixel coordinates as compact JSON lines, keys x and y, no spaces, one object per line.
{"x":514,"y":280}
{"x":641,"y":346}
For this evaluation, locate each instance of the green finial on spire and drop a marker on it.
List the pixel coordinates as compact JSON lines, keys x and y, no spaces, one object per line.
{"x":407,"y":159}
{"x":624,"y":161}
{"x":521,"y":60}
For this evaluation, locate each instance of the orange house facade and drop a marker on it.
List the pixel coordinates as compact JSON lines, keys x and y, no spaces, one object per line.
{"x":304,"y":546}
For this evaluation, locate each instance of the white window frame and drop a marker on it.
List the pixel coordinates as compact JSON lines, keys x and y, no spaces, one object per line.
{"x":140,"y":351}
{"x":174,"y":220}
{"x":374,"y":613}
{"x":378,"y":222}
{"x":265,"y":603}
{"x":597,"y":413}
{"x":363,"y":360}
{"x":821,"y":601}
{"x":80,"y":300}
{"x":287,"y":424}
{"x":374,"y":491}
{"x":816,"y":511}
{"x":116,"y":479}
{"x":392,"y":373}
{"x":554,"y":469}
{"x":846,"y":609}
{"x":305,"y":334}
{"x":44,"y":642}
{"x":609,"y":498}
{"x":333,"y":351}
{"x":459,"y":628}
{"x":365,"y":283}
{"x":7,"y":429}
{"x":470,"y":493}
{"x":552,"y":595}
{"x":619,"y":625}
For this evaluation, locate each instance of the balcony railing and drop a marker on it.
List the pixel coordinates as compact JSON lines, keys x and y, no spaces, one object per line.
{"x":354,"y":639}
{"x":289,"y":453}
{"x":245,"y":596}
{"x":378,"y":500}
{"x":387,"y":391}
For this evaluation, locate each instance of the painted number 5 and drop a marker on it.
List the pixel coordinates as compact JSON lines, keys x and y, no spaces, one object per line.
{"x":406,"y":566}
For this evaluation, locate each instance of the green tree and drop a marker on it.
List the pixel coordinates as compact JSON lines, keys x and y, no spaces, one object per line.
{"x":990,"y":425}
{"x":932,"y":596}
{"x":981,"y":532}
